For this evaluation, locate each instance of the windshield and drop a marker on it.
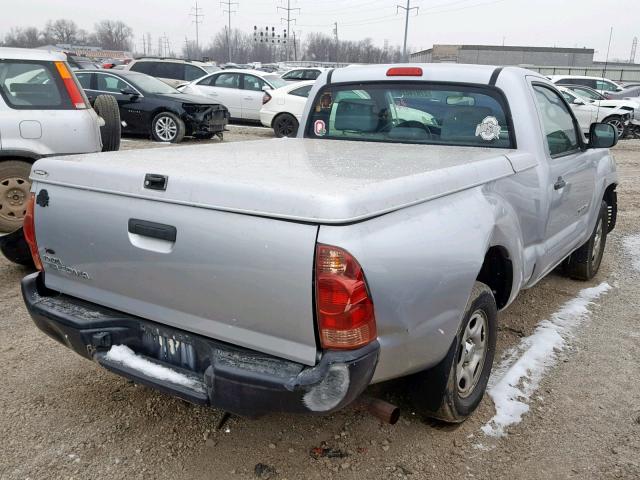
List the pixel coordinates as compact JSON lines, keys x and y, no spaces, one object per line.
{"x":151,"y":85}
{"x":412,"y":113}
{"x":588,"y":94}
{"x":275,"y":81}
{"x":211,"y":68}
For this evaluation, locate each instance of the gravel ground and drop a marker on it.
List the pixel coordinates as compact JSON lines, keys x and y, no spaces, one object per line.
{"x":64,"y":417}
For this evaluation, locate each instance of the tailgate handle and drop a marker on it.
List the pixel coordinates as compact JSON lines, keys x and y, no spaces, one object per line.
{"x":153,"y":181}
{"x":153,"y":230}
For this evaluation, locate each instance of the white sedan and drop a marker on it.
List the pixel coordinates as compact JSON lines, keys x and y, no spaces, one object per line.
{"x":241,"y":91}
{"x":282,"y":108}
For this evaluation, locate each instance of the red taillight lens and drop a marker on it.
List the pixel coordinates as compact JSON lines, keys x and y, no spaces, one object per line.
{"x":265,"y":98}
{"x":29,"y":230}
{"x":404,"y":72}
{"x":346,"y":318}
{"x":71,"y":85}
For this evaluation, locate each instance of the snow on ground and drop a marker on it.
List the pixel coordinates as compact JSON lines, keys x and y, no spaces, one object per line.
{"x":124,"y":355}
{"x":519,"y":373}
{"x":632,"y":247}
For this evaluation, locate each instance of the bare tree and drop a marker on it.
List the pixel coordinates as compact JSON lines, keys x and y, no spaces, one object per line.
{"x":113,"y":35}
{"x":61,"y":31}
{"x":28,"y":37}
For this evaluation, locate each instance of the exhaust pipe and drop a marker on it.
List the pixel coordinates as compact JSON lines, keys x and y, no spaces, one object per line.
{"x":382,"y":410}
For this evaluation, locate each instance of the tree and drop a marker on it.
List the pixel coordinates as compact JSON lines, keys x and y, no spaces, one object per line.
{"x":113,"y":35}
{"x":61,"y":31}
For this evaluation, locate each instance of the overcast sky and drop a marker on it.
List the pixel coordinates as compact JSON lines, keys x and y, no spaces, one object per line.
{"x":562,"y":23}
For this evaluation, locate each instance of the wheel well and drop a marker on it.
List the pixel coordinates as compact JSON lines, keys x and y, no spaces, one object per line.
{"x":19,"y":158}
{"x":611,"y":197}
{"x":497,"y":273}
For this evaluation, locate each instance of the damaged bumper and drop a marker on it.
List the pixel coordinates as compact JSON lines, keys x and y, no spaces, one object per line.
{"x":206,"y":119}
{"x":241,"y":381}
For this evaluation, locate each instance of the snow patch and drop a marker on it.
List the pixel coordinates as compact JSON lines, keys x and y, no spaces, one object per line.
{"x":631,"y":244}
{"x":523,"y":367}
{"x":124,"y":355}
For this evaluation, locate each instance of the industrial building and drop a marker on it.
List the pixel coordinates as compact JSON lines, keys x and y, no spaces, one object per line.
{"x":506,"y":55}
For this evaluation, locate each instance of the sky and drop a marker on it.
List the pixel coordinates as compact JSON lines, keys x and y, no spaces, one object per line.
{"x":561,"y":23}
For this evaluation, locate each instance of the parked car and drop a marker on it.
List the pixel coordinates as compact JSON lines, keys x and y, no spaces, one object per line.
{"x":171,"y":71}
{"x":151,"y":107}
{"x":289,"y":274}
{"x":43,"y":112}
{"x":282,"y":108}
{"x":77,"y":62}
{"x":300,"y":74}
{"x":632,"y":93}
{"x":240,"y":90}
{"x":588,"y":112}
{"x":602,"y":85}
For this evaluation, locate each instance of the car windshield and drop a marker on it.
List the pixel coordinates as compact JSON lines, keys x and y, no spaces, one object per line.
{"x":412,"y":113}
{"x":151,"y":85}
{"x":275,"y":81}
{"x":211,"y":68}
{"x":588,"y":94}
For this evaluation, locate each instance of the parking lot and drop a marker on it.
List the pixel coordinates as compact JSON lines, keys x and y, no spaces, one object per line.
{"x":63,"y":417}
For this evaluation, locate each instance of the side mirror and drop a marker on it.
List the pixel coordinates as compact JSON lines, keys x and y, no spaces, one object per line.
{"x":578,"y":101}
{"x":602,"y":135}
{"x":128,"y":91}
{"x":266,"y":88}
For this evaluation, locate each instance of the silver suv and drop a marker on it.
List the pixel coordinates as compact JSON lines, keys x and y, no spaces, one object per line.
{"x":43,"y":112}
{"x":172,"y":71}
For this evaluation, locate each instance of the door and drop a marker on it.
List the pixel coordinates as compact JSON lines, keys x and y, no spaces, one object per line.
{"x":252,"y":93}
{"x":571,"y":177}
{"x":224,"y":88}
{"x":129,"y":104}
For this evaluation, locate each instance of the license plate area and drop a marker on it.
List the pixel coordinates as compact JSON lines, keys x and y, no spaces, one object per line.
{"x":169,"y":347}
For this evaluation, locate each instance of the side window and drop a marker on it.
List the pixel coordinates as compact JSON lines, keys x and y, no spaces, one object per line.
{"x":174,"y":71}
{"x":606,"y":86}
{"x":107,"y":83}
{"x":144,"y":67}
{"x":84,"y":79}
{"x":192,"y":73}
{"x":301,"y":92}
{"x":31,"y":85}
{"x":557,"y":121}
{"x":209,"y":81}
{"x":253,"y":83}
{"x":311,"y":74}
{"x":227,"y":80}
{"x":294,"y":75}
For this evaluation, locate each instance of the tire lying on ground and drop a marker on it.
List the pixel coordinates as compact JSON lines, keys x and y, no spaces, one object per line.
{"x":107,"y":107}
{"x":14,"y":193}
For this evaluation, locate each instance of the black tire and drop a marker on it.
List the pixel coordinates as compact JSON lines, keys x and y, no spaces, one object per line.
{"x":616,"y":122}
{"x":583,"y":264}
{"x":285,"y":125}
{"x":107,"y":107}
{"x":167,"y":127}
{"x":14,"y":193}
{"x":441,"y":392}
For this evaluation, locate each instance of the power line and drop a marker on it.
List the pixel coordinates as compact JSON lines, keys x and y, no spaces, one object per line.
{"x":288,"y":20}
{"x":228,"y":4}
{"x":197,"y":20}
{"x":407,"y":10}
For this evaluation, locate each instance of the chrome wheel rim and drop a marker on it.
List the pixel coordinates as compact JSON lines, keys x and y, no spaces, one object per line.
{"x":618,"y":125}
{"x":471,"y":353}
{"x":14,"y":192}
{"x":166,"y":129}
{"x":597,"y":242}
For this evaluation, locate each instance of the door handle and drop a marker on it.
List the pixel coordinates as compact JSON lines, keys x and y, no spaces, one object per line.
{"x":153,"y":230}
{"x":248,"y":98}
{"x":560,"y":183}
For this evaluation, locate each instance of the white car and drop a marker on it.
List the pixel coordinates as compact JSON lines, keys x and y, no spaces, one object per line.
{"x":588,"y":113}
{"x":601,"y":84}
{"x":282,"y":108}
{"x":241,"y":91}
{"x":592,"y":96}
{"x":302,"y":74}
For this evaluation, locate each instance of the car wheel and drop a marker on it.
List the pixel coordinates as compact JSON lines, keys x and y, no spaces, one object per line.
{"x":616,"y":122}
{"x":453,"y":389}
{"x":167,"y":127}
{"x":583,"y":264}
{"x":285,"y":125}
{"x":15,"y":189}
{"x":107,"y":107}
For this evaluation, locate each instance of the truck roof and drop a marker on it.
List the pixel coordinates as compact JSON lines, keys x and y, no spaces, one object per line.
{"x":7,"y":53}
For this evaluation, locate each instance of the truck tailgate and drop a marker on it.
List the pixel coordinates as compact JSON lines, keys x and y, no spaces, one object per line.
{"x":237,"y":278}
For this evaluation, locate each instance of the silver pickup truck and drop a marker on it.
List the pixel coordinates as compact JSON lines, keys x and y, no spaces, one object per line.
{"x":289,"y":274}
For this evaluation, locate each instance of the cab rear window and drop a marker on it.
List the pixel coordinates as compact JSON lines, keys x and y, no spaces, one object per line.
{"x":32,"y":85}
{"x":464,"y":115}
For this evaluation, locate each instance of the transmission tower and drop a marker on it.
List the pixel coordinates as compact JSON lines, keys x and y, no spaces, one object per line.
{"x":634,"y":47}
{"x":227,"y":6}
{"x":288,"y":9}
{"x":407,"y":10}
{"x":197,"y":19}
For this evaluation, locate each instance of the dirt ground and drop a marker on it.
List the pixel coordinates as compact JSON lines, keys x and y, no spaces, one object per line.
{"x":64,"y":417}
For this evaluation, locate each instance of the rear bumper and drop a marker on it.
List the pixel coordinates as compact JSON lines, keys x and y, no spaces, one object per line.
{"x":241,"y":381}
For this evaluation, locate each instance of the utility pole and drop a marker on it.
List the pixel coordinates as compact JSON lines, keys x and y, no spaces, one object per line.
{"x":228,"y":4}
{"x":407,"y":9}
{"x":186,"y":47}
{"x":335,"y":34}
{"x":197,"y":20}
{"x":634,"y":46}
{"x":288,"y":20}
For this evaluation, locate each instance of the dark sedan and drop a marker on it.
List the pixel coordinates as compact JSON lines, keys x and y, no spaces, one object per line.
{"x":151,"y":107}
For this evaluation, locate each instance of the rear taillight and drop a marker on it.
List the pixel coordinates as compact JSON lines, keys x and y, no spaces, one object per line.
{"x":345,"y":311}
{"x":71,"y":85}
{"x":29,"y":230}
{"x":265,"y":98}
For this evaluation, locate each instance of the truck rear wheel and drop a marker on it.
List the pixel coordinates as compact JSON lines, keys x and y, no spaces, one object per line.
{"x":107,"y":107}
{"x":453,"y":389}
{"x":14,"y":193}
{"x":583,"y":264}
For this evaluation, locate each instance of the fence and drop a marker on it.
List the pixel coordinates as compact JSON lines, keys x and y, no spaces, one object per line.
{"x":617,"y":73}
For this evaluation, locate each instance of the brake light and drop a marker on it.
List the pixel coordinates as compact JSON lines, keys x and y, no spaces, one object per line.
{"x":404,"y":72}
{"x":70,"y":84}
{"x":344,"y":307}
{"x":265,"y":98}
{"x":29,"y":230}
